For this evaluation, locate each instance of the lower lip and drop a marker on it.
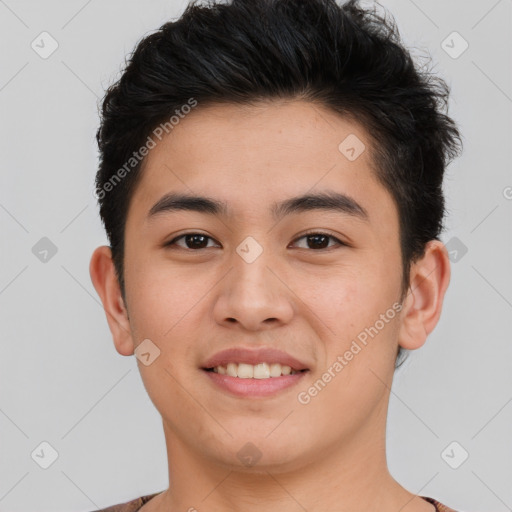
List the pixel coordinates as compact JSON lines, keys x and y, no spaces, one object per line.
{"x":254,"y":387}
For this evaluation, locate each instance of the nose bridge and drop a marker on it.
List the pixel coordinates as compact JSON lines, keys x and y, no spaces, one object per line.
{"x":252,"y":293}
{"x":252,"y":276}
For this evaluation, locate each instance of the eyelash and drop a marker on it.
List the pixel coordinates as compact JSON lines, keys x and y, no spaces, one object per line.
{"x":328,"y":235}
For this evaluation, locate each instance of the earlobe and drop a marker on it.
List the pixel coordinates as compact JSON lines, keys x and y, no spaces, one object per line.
{"x":104,"y":279}
{"x":429,"y":280}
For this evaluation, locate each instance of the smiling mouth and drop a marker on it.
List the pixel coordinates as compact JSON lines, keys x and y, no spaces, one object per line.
{"x":254,"y":371}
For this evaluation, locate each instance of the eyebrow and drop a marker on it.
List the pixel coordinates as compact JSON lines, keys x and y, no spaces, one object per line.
{"x":324,"y":201}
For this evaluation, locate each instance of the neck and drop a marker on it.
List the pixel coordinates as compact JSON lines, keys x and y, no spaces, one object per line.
{"x":348,"y":477}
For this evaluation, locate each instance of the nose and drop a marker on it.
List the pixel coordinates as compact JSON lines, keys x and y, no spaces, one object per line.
{"x":254,"y":295}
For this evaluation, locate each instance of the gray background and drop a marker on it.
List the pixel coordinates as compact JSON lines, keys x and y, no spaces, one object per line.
{"x":61,"y":380}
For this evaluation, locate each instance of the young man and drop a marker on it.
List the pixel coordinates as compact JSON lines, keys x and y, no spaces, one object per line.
{"x":271,"y":186}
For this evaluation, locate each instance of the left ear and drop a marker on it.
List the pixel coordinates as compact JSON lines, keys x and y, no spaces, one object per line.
{"x":428,"y":282}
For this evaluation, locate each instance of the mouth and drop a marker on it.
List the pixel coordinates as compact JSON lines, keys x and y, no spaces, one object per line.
{"x":258,"y":371}
{"x":251,"y":373}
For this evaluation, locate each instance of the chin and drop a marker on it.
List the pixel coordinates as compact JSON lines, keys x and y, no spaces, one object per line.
{"x":259,"y":452}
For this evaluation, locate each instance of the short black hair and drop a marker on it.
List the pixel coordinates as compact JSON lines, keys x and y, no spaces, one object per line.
{"x":345,"y":57}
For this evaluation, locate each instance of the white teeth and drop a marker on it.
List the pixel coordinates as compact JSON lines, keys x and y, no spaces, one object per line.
{"x":261,"y":371}
{"x":286,"y":370}
{"x":258,"y":371}
{"x":232,"y":370}
{"x":275,"y":370}
{"x":245,"y":371}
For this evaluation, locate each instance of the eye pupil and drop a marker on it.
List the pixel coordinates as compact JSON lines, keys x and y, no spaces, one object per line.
{"x":315,"y":239}
{"x":189,"y":238}
{"x":199,"y":241}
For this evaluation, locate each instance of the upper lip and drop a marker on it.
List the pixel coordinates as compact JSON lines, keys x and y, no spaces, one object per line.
{"x":254,"y":356}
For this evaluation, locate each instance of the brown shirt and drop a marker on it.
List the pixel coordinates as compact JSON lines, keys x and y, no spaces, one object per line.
{"x":136,"y":504}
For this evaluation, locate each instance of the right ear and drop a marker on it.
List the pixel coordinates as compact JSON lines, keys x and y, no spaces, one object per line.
{"x":104,"y":279}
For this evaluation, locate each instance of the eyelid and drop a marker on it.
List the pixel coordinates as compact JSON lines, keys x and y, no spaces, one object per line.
{"x":303,"y":235}
{"x":178,"y":237}
{"x":322,"y":232}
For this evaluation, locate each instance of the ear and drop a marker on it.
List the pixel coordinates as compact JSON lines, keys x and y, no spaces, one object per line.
{"x":104,"y":279}
{"x":428,"y":282}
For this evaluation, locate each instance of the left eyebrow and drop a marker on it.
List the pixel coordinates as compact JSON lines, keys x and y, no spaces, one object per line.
{"x":325,"y":201}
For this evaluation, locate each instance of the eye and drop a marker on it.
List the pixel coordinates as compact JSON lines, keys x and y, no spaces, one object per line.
{"x":314,"y":240}
{"x":318,"y":240}
{"x":192,"y":241}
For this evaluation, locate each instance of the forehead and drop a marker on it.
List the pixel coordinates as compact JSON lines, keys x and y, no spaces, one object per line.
{"x":247,"y":155}
{"x":274,"y":131}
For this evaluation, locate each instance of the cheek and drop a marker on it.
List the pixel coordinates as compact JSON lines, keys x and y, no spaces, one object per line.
{"x":159,"y":300}
{"x":356,"y":314}
{"x":347,"y":298}
{"x":165,"y":311}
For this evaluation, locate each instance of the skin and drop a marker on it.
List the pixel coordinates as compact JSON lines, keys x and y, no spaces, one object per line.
{"x":329,"y":454}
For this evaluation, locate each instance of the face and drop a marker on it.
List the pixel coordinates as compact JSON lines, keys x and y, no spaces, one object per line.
{"x":313,"y":284}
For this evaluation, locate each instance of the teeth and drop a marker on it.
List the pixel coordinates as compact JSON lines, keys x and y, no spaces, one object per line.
{"x":245,"y":371}
{"x":261,"y":371}
{"x":232,"y":370}
{"x":258,"y":371}
{"x":275,"y":370}
{"x":286,"y":370}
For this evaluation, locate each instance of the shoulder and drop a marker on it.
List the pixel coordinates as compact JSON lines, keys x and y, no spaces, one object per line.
{"x":439,"y":506}
{"x":129,"y":506}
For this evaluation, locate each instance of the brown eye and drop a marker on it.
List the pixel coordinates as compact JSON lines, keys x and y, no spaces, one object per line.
{"x":192,"y":241}
{"x":314,"y":241}
{"x":318,"y":241}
